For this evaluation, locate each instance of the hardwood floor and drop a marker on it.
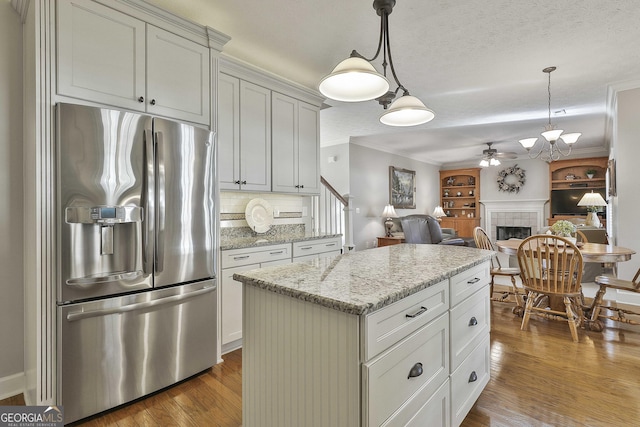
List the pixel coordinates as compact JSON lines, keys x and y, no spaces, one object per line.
{"x":538,"y":378}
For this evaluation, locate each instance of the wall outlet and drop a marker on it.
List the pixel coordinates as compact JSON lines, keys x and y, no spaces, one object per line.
{"x":357,"y":210}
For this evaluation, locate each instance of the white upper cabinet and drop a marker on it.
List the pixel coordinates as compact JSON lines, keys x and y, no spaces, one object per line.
{"x":244,"y":135}
{"x":109,"y":57}
{"x":100,"y":54}
{"x":177,"y":77}
{"x":295,"y":146}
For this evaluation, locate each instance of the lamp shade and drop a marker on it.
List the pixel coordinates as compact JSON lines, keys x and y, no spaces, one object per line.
{"x":389,"y":212}
{"x":570,"y":138}
{"x":407,"y":111}
{"x":592,"y":199}
{"x":552,"y":135}
{"x":484,"y":163}
{"x":439,"y":212}
{"x":354,"y":80}
{"x":528,"y":142}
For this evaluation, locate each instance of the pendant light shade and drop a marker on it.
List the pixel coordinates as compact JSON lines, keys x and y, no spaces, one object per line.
{"x":407,"y":111}
{"x":354,"y":80}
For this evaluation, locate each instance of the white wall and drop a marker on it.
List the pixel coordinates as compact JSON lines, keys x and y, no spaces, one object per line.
{"x":626,"y":205}
{"x":536,"y":186}
{"x":369,"y":188}
{"x":11,"y":302}
{"x":337,"y":171}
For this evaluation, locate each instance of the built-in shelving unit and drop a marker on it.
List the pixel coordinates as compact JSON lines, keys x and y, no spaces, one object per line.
{"x":460,"y":200}
{"x":568,"y":180}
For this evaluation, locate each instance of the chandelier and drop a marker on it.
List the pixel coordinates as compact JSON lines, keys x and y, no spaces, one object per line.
{"x":552,"y":151}
{"x":355,"y":79}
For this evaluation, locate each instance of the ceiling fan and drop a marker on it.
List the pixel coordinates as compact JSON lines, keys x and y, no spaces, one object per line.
{"x":490,"y":156}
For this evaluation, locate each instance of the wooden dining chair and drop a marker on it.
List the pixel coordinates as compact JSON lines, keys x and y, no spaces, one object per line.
{"x":551,"y":266}
{"x":483,"y":242}
{"x":619,"y":314}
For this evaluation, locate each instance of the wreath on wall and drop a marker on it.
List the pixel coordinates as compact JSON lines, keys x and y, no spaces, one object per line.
{"x":511,"y":179}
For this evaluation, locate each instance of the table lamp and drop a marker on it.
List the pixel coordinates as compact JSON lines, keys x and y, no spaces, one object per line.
{"x":593,"y":202}
{"x":438,"y":213}
{"x":389,"y":212}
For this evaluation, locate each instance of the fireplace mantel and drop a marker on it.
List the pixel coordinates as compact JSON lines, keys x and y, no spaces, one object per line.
{"x":493,"y":209}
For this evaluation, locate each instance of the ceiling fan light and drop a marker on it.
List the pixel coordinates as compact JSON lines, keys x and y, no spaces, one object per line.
{"x":552,"y":135}
{"x":571,"y":138}
{"x":528,"y":143}
{"x":354,"y":80}
{"x":494,"y":162}
{"x":407,"y":111}
{"x":484,"y":163}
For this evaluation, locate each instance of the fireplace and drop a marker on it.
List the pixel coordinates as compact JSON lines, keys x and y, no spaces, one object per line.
{"x":509,"y":232}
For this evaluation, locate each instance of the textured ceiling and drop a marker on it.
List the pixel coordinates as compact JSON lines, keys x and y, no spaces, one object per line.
{"x":477,"y":64}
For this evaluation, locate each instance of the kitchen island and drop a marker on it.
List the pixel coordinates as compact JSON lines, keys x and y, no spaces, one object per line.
{"x":397,"y":335}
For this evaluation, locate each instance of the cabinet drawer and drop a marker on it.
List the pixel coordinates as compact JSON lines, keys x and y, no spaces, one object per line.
{"x":470,"y":322}
{"x":387,"y":326}
{"x":312,"y":247}
{"x":468,"y":282}
{"x":386,"y":381}
{"x":424,"y":409}
{"x":468,"y":381}
{"x":238,"y":257}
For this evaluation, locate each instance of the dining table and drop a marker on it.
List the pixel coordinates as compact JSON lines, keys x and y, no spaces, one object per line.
{"x":591,"y":252}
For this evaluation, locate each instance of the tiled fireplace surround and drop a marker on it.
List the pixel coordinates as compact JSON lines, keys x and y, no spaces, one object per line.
{"x":516,"y":213}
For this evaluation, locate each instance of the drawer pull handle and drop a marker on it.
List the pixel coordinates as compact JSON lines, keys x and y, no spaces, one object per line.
{"x":306,"y":247}
{"x":330,"y":244}
{"x":276,"y":253}
{"x":416,"y":371}
{"x":474,"y":280}
{"x":473,"y":321}
{"x":417,"y":313}
{"x":473,"y":377}
{"x":237,"y":258}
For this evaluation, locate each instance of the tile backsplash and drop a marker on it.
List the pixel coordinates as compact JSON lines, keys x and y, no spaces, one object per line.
{"x":292,"y":213}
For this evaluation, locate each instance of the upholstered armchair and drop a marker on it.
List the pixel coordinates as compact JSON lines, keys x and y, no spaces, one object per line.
{"x":426,"y":229}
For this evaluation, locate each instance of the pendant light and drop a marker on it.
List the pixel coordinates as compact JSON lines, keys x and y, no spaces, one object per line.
{"x":355,"y":79}
{"x":552,"y":135}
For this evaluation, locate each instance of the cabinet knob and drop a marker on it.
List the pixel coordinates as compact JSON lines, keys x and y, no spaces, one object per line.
{"x":153,"y":102}
{"x":297,"y":186}
{"x":302,"y":186}
{"x":141,"y":99}
{"x":473,"y":321}
{"x":416,"y":371}
{"x":244,"y":182}
{"x":236,"y":182}
{"x":473,"y":377}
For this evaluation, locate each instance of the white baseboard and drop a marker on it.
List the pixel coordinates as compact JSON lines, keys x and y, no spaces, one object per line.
{"x":631,"y":298}
{"x":12,"y":385}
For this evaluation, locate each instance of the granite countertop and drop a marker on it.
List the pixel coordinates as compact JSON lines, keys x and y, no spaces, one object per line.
{"x":365,"y":281}
{"x":227,"y":243}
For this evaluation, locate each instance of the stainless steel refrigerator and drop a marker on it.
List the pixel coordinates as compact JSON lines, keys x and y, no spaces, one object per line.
{"x":136,"y":255}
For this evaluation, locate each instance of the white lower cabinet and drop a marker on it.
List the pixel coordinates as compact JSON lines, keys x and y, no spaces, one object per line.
{"x":468,"y":381}
{"x":423,"y":360}
{"x":238,"y":260}
{"x":235,"y":261}
{"x":418,"y":363}
{"x":312,"y":249}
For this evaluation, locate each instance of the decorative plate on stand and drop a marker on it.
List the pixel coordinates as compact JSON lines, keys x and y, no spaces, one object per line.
{"x":259,"y":215}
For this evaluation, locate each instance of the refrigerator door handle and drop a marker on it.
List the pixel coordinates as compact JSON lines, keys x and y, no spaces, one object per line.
{"x":72,"y":317}
{"x":160,"y":193}
{"x":149,"y":203}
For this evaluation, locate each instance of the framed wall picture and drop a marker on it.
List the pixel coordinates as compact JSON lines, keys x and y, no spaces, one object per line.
{"x":402,"y":188}
{"x":611,"y":170}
